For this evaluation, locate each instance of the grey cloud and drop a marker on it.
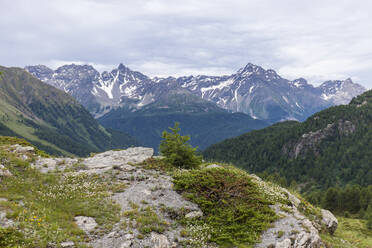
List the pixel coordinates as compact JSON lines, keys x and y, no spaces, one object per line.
{"x":314,"y":39}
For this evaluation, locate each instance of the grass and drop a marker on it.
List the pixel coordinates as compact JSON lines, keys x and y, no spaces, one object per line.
{"x":145,"y":219}
{"x":50,"y":202}
{"x":350,"y":233}
{"x":6,"y":141}
{"x":235,"y":210}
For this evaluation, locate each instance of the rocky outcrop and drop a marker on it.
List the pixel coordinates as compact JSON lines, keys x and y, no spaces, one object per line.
{"x":329,"y":221}
{"x":310,"y":141}
{"x":145,"y":189}
{"x":293,"y":229}
{"x":292,"y":226}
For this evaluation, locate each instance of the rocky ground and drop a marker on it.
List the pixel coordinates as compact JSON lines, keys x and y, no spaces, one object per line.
{"x":149,"y":196}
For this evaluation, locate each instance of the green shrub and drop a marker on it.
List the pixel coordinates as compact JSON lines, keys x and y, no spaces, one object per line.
{"x":235,"y":210}
{"x":177,"y":151}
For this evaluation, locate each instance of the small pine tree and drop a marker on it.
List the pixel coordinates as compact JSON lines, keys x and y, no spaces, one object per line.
{"x":177,"y":151}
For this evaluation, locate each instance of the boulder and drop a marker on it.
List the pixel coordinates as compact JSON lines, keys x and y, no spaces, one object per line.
{"x":194,"y":214}
{"x":159,"y":241}
{"x":87,"y":224}
{"x":329,"y":220}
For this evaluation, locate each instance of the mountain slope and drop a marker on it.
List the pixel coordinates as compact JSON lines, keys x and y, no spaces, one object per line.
{"x":202,"y":120}
{"x":50,"y":118}
{"x":260,"y":93}
{"x":331,"y":148}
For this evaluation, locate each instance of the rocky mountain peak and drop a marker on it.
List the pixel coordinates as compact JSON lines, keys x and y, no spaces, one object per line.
{"x":299,"y":82}
{"x":251,"y":69}
{"x":340,"y":91}
{"x":42,"y":72}
{"x":72,"y":71}
{"x":122,"y":67}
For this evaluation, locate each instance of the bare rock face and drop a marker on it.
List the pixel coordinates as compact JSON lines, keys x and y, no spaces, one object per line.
{"x":329,"y":220}
{"x":311,"y":140}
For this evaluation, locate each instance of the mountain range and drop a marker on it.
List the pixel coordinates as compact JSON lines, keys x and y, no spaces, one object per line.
{"x":209,"y":108}
{"x":252,"y":90}
{"x":51,"y":119}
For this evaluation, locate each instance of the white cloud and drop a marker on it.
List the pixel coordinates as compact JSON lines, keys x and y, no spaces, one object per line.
{"x":318,"y":39}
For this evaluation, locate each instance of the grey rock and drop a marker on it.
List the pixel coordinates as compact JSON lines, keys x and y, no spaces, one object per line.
{"x":68,"y":244}
{"x":4,"y":172}
{"x":107,"y":160}
{"x":5,"y":222}
{"x":22,"y":149}
{"x":294,"y":227}
{"x":329,"y":220}
{"x":87,"y":224}
{"x":211,"y":166}
{"x":284,"y":244}
{"x":128,"y":236}
{"x":126,"y":244}
{"x":159,"y":240}
{"x":46,"y":165}
{"x":194,"y":214}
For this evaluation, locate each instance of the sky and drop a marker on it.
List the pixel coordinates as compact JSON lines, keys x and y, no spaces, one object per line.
{"x":319,"y":39}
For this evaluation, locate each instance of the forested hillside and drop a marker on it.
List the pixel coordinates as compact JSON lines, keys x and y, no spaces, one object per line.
{"x":202,"y":120}
{"x":330,"y":150}
{"x":49,"y":118}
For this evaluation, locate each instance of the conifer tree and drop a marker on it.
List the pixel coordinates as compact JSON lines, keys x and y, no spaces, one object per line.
{"x":177,"y":151}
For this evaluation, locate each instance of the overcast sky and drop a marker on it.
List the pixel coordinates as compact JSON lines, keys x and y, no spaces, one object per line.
{"x":316,"y":39}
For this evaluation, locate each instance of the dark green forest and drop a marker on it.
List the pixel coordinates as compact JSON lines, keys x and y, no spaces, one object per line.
{"x":203,"y":121}
{"x":331,"y":150}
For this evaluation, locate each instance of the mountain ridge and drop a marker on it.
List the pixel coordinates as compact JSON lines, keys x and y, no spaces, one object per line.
{"x":49,"y":118}
{"x":260,"y":93}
